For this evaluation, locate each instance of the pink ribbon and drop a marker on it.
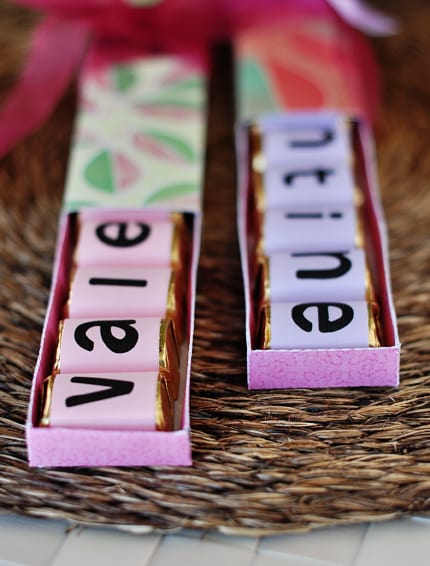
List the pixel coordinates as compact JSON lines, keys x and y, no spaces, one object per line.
{"x":60,"y":41}
{"x":55,"y":54}
{"x":363,"y":17}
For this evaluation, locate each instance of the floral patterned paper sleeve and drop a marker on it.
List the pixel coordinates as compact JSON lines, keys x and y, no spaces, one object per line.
{"x":305,"y":63}
{"x":139,"y":136}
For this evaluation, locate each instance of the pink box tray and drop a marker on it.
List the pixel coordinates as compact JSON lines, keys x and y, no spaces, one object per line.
{"x":88,"y":447}
{"x":348,"y":367}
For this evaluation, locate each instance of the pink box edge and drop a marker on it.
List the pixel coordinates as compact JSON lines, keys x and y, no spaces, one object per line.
{"x":62,"y":447}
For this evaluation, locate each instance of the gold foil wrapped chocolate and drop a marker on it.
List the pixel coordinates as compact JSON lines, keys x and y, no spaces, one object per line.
{"x":164,"y":407}
{"x":74,"y":354}
{"x":169,"y":358}
{"x":345,"y":289}
{"x":95,"y":246}
{"x":61,"y":407}
{"x":258,"y":165}
{"x":289,"y":337}
{"x":47,"y":390}
{"x":127,"y":292}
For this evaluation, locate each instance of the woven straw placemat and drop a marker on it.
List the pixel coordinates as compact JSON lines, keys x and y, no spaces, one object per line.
{"x":265,"y":461}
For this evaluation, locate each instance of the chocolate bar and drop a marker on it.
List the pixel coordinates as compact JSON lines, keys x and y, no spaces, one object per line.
{"x":314,"y":230}
{"x":118,"y":345}
{"x":327,"y":276}
{"x":318,"y":325}
{"x":120,"y":401}
{"x":128,"y":292}
{"x":121,"y":240}
{"x":327,"y":139}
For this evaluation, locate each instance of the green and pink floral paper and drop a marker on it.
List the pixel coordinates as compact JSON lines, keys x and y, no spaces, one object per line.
{"x":139,"y":139}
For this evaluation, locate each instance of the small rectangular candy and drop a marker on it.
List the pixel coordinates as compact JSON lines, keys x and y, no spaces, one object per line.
{"x":314,"y":324}
{"x":323,"y":276}
{"x":300,"y":141}
{"x":123,"y":240}
{"x":316,"y":230}
{"x":127,"y":291}
{"x":115,"y":401}
{"x":300,"y":187}
{"x":119,"y":345}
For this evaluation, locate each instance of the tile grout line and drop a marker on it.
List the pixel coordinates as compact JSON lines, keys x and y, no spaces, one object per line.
{"x":154,"y":551}
{"x":67,"y":532}
{"x":359,"y":549}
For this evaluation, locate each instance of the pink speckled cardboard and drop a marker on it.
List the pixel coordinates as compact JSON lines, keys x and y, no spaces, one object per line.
{"x":78,"y":447}
{"x":346,"y":367}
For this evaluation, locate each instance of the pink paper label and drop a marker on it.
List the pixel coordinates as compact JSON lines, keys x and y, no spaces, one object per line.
{"x":110,"y":345}
{"x":119,"y":292}
{"x":114,"y":401}
{"x":122,"y":242}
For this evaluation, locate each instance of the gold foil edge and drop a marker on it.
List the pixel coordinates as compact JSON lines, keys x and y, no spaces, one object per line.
{"x":370,"y":292}
{"x":375,"y":330}
{"x":47,"y":389}
{"x":169,"y":356}
{"x":178,"y":239}
{"x":263,"y":328}
{"x":56,"y":367}
{"x":172,"y":295}
{"x":359,"y":229}
{"x":256,"y":145}
{"x":164,"y":406}
{"x":66,"y":307}
{"x":262,"y":281}
{"x":77,"y":238}
{"x":175,"y":305}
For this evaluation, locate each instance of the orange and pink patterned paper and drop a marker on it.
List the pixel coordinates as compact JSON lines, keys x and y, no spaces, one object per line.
{"x":305,"y":63}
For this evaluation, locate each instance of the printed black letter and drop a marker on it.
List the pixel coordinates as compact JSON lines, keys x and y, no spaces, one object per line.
{"x":114,"y":388}
{"x":121,"y":240}
{"x":116,"y":345}
{"x":343,"y":267}
{"x":324,"y":322}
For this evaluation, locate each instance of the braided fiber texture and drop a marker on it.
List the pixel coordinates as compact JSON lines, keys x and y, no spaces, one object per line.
{"x":264,"y":462}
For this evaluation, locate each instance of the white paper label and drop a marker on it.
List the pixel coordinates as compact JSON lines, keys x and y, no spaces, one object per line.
{"x":319,"y":325}
{"x":307,"y":143}
{"x":292,"y":185}
{"x":319,"y":230}
{"x":327,"y":276}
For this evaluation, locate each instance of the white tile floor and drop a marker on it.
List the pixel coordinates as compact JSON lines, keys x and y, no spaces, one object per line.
{"x":33,"y":542}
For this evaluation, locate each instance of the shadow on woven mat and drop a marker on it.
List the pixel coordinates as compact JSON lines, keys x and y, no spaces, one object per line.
{"x":263,"y":461}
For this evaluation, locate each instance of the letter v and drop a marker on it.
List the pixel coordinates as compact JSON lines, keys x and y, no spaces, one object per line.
{"x":114,"y":388}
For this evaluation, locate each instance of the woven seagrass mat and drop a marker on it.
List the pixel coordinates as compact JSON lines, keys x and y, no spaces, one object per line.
{"x":266,"y":461}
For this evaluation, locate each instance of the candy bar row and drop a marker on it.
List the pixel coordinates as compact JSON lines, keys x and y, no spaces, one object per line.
{"x":312,"y":285}
{"x":117,"y":359}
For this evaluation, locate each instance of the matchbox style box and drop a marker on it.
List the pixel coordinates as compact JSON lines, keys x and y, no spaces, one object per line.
{"x":111,"y":384}
{"x":319,"y":310}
